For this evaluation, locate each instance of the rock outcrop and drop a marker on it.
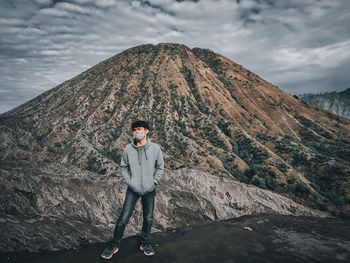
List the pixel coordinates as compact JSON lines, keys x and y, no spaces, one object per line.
{"x":52,"y":206}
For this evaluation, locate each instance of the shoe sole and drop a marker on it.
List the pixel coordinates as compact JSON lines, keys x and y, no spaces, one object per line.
{"x":145,"y":252}
{"x":110,"y":256}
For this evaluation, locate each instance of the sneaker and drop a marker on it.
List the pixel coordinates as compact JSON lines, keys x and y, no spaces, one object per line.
{"x":109,"y":251}
{"x":147,"y":249}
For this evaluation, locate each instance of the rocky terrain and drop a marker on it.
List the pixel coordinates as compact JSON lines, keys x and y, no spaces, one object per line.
{"x":233,"y":144}
{"x":250,"y":238}
{"x":52,"y":206}
{"x":335,"y":102}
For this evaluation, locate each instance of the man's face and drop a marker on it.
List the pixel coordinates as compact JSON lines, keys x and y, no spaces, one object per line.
{"x":140,"y":129}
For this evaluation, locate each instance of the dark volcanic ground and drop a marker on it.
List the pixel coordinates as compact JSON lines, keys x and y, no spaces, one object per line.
{"x":251,"y":238}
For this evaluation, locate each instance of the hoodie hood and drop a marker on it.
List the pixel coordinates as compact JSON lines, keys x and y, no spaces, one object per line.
{"x":141,"y":149}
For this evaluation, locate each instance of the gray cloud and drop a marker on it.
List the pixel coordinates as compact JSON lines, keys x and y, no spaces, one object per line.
{"x":298,"y":45}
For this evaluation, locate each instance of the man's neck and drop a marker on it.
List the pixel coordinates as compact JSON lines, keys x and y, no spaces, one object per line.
{"x":142,"y":142}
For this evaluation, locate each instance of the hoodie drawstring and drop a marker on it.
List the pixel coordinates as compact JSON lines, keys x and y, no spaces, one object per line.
{"x":139,"y":157}
{"x":145,"y":153}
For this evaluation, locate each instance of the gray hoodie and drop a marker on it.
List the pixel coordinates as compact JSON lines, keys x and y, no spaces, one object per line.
{"x":142,"y":166}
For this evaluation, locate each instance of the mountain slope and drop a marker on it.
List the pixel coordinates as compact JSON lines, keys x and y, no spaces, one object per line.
{"x":207,"y":113}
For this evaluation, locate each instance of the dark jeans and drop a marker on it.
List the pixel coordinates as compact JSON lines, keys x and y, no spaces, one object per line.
{"x":130,"y":201}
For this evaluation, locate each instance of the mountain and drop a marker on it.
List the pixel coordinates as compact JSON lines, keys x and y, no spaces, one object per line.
{"x":233,"y":144}
{"x":335,"y":102}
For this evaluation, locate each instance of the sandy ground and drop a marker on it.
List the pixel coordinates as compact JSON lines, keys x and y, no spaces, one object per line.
{"x":252,"y":238}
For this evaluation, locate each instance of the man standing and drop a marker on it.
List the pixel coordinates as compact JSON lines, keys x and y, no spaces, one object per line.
{"x":141,"y":166}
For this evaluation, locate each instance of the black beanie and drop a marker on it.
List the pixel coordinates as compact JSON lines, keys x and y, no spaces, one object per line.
{"x":140,"y":123}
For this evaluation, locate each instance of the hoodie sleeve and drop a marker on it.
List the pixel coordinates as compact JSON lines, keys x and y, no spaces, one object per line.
{"x":159,"y":167}
{"x":124,"y":167}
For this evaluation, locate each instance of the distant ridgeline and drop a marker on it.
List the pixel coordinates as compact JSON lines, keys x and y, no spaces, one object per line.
{"x":335,"y":102}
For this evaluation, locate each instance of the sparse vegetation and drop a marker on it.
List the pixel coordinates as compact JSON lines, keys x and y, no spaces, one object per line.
{"x":94,"y":164}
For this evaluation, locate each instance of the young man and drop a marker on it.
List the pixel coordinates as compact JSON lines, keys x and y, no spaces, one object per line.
{"x":141,"y":166}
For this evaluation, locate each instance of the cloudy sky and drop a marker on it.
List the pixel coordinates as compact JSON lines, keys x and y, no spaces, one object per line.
{"x":299,"y":45}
